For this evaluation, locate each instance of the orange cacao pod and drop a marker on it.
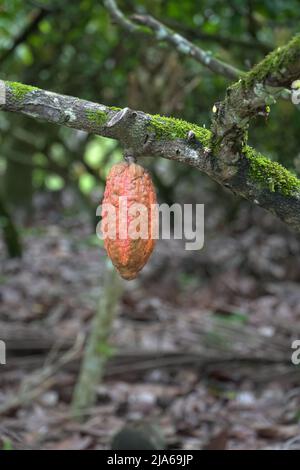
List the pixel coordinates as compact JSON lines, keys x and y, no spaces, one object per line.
{"x":130,"y":191}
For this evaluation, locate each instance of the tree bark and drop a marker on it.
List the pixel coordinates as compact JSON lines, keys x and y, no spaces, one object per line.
{"x":97,"y":350}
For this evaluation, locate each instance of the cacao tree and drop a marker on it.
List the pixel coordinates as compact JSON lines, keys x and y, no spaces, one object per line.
{"x":56,"y":72}
{"x":222,"y":152}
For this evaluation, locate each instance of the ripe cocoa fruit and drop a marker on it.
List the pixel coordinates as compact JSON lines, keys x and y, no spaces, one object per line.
{"x":129,"y":189}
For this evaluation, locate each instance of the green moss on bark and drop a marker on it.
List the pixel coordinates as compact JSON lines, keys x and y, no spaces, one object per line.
{"x":271,"y":175}
{"x":274,"y":63}
{"x":96,"y":116}
{"x":114,"y":108}
{"x":167,"y":128}
{"x":19,"y":90}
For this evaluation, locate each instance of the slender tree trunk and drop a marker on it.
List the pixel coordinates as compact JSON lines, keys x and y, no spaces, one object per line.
{"x":97,"y":349}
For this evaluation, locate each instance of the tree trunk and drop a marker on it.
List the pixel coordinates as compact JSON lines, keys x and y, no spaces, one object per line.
{"x":97,"y":349}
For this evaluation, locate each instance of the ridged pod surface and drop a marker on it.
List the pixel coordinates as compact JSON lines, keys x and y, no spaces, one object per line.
{"x":130,"y":182}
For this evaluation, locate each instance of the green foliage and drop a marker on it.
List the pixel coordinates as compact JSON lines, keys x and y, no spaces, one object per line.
{"x":87,"y":182}
{"x":54,"y":182}
{"x":58,"y":153}
{"x":97,"y":151}
{"x":7,"y":444}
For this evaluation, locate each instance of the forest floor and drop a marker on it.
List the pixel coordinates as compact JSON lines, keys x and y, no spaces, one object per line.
{"x":202,"y":339}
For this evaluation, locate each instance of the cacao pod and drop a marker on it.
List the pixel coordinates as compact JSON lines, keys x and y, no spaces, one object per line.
{"x":129,"y":190}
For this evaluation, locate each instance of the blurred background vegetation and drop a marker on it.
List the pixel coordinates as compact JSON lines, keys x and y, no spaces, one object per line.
{"x":73,"y":48}
{"x":236,"y":300}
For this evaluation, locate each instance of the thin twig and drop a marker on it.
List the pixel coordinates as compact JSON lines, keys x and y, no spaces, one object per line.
{"x":164,"y":34}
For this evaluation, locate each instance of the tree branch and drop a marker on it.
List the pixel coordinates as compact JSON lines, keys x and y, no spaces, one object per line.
{"x":119,"y":17}
{"x":138,"y":132}
{"x":188,"y":48}
{"x":164,"y":34}
{"x":251,"y":96}
{"x":248,"y":173}
{"x":224,"y":40}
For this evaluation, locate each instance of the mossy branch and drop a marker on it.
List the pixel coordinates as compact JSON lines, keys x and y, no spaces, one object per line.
{"x":253,"y":94}
{"x":278,"y":69}
{"x":246,"y":172}
{"x":240,"y":167}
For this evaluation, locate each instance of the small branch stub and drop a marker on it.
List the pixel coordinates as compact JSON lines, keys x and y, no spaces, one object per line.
{"x":118,"y":117}
{"x":129,"y":157}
